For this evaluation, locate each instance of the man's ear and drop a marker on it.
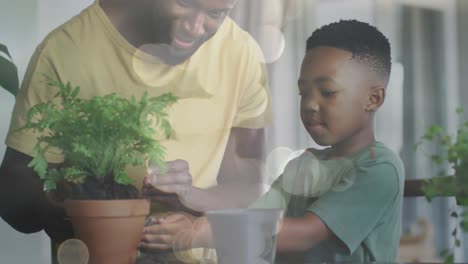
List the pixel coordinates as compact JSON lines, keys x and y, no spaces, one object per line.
{"x":376,"y":98}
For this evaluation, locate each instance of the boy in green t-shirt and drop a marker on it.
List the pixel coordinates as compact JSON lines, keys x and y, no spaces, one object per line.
{"x":342,"y":203}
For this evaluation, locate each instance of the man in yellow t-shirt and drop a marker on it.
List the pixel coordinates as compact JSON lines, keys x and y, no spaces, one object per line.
{"x":187,"y":47}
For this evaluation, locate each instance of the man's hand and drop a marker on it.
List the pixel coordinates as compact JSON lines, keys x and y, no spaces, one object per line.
{"x":176,"y":179}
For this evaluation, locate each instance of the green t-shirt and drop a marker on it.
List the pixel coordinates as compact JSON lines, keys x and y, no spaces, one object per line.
{"x":362,"y":207}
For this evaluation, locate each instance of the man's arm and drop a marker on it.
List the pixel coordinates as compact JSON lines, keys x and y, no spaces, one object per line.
{"x":239,"y":180}
{"x":23,"y":203}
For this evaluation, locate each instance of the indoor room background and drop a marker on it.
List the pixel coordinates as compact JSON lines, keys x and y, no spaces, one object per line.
{"x":429,"y":81}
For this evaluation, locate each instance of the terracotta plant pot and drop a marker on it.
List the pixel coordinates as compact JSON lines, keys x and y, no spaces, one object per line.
{"x":111,"y":229}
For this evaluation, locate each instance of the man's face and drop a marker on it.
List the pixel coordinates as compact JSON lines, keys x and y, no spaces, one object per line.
{"x":189,"y":23}
{"x":333,"y":91}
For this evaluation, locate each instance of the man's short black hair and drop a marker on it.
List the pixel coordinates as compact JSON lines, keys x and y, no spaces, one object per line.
{"x":365,"y":42}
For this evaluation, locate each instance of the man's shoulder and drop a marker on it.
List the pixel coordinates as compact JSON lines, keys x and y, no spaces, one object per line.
{"x":234,"y":39}
{"x":69,"y":35}
{"x":233,"y":32}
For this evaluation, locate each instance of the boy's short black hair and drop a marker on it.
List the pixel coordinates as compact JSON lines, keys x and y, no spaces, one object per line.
{"x":366,"y":43}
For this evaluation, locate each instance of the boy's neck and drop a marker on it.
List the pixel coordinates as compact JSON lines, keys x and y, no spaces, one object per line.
{"x":353,"y":144}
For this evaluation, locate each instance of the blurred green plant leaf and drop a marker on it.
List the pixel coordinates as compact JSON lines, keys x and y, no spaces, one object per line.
{"x":8,"y":71}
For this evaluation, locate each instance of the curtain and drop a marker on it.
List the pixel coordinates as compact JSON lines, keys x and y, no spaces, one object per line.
{"x":281,"y":27}
{"x":462,"y":15}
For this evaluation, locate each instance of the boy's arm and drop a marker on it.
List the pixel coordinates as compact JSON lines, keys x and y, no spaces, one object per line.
{"x":340,"y":215}
{"x":296,"y":234}
{"x":303,"y":233}
{"x":373,"y":200}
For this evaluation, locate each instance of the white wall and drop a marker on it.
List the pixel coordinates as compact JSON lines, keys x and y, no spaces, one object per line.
{"x":23,"y":24}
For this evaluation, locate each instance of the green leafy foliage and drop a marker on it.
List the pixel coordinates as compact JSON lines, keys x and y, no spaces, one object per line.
{"x":8,"y":72}
{"x":447,"y":255}
{"x":99,"y":136}
{"x":454,"y":155}
{"x":464,"y":222}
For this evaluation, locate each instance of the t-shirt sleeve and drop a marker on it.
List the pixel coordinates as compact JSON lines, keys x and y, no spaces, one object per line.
{"x":275,"y":197}
{"x":353,"y":213}
{"x":34,"y":90}
{"x":254,"y":109}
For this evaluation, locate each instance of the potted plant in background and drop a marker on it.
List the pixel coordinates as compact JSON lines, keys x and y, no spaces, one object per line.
{"x":8,"y":71}
{"x":99,"y":137}
{"x":452,"y":179}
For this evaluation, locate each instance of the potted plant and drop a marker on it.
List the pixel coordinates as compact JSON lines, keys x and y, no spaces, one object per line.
{"x":8,"y":71}
{"x":452,"y":179}
{"x":99,"y":137}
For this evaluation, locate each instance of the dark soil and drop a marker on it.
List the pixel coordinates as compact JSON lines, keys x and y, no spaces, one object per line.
{"x":93,"y":189}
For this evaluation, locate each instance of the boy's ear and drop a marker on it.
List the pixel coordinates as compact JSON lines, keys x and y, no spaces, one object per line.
{"x":376,"y":98}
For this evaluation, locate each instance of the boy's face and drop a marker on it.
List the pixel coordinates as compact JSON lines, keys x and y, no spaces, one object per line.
{"x":189,"y":23}
{"x":334,"y":93}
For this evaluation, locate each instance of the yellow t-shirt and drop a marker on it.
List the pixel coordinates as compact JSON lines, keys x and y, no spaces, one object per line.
{"x":223,"y":85}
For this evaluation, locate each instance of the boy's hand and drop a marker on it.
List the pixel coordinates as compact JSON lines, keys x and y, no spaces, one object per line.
{"x":160,"y":234}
